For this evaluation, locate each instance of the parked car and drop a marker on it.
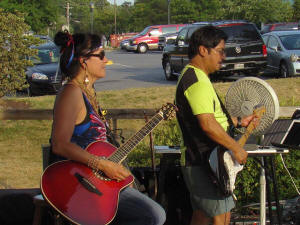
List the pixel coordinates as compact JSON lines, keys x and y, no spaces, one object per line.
{"x":124,"y":44}
{"x":148,"y":38}
{"x":164,"y":38}
{"x":280,"y":27}
{"x":116,"y":39}
{"x":44,"y":77}
{"x":283,"y":52}
{"x":245,"y":50}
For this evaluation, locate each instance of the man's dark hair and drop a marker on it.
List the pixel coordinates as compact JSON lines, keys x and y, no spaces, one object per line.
{"x":207,"y":36}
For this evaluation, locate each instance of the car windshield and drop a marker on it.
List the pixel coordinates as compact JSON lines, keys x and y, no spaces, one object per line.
{"x":145,"y":31}
{"x":241,"y":33}
{"x":291,"y":42}
{"x":47,"y":53}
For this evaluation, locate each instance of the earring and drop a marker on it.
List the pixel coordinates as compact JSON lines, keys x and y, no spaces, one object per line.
{"x":86,"y":80}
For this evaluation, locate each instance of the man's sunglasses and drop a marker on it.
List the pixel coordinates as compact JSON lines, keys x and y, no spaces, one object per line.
{"x":100,"y":55}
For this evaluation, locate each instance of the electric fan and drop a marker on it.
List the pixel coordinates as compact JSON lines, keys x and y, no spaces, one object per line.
{"x":245,"y":94}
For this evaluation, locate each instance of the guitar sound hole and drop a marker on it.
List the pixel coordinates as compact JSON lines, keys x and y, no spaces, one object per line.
{"x":100,"y":175}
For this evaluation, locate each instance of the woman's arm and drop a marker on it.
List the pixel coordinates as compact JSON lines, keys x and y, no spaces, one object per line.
{"x":69,"y":109}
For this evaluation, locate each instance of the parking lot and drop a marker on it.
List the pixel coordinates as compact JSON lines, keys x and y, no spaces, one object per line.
{"x":131,"y":70}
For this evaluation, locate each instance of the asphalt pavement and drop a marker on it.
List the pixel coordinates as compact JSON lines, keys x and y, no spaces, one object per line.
{"x":133,"y":70}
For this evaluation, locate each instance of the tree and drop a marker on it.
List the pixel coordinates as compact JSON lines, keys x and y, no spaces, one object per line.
{"x":183,"y":11}
{"x":296,"y":10}
{"x":209,"y":10}
{"x":257,"y":11}
{"x":14,"y":48}
{"x":39,"y":14}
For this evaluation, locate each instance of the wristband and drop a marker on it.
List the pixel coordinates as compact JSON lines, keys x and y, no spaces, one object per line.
{"x":239,"y":122}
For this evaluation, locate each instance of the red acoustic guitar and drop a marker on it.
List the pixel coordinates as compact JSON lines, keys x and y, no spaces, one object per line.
{"x":85,"y":196}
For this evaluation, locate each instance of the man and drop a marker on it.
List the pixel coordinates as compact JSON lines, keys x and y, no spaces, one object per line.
{"x":204,"y":125}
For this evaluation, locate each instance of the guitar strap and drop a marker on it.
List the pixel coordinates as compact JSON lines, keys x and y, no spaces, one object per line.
{"x":109,"y":134}
{"x":231,"y":125}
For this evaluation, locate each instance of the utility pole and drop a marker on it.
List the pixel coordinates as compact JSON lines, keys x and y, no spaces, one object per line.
{"x":92,"y":6}
{"x":68,"y":16}
{"x":115,"y":16}
{"x":169,"y":11}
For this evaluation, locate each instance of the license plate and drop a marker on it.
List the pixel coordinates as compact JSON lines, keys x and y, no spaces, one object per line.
{"x":239,"y":66}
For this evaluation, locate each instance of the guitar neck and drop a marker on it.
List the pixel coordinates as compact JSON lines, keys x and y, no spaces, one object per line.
{"x":242,"y":141}
{"x":259,"y":113}
{"x":121,"y":153}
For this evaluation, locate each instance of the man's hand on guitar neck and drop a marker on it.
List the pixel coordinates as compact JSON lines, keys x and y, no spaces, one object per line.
{"x":245,"y":121}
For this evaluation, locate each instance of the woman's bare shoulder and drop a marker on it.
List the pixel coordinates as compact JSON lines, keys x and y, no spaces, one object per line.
{"x":69,"y":95}
{"x":70,"y":91}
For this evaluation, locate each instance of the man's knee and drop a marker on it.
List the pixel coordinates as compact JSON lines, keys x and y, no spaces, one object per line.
{"x":222,"y":219}
{"x":199,"y":218}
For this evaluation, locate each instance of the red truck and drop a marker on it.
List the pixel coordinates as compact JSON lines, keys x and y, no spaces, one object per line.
{"x":148,"y":38}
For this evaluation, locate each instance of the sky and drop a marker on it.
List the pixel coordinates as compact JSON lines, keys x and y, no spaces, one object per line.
{"x":120,"y":2}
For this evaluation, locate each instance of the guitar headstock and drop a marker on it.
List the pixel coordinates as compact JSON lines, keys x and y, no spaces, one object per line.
{"x":168,"y":111}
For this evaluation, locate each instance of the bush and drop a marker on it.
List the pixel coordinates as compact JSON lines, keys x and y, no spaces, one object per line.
{"x":14,"y":51}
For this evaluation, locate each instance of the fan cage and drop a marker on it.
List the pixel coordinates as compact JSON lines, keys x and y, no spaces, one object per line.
{"x":247,"y":93}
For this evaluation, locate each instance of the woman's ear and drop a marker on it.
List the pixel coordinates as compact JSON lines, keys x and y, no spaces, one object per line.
{"x":82,"y":62}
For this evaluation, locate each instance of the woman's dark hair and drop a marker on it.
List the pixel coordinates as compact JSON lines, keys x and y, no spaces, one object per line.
{"x":207,"y":36}
{"x":72,"y":47}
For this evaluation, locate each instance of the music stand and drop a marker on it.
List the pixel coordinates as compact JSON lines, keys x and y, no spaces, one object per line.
{"x":283,"y":134}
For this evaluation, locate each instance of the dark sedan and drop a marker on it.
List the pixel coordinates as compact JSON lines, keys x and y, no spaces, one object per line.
{"x":44,"y":77}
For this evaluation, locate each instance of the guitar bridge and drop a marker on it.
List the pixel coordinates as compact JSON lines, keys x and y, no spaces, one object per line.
{"x":100,"y":175}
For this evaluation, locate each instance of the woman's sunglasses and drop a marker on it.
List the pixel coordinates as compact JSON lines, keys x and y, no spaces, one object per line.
{"x":100,"y":55}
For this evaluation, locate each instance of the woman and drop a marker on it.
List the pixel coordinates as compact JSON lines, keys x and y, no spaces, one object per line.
{"x":78,"y":121}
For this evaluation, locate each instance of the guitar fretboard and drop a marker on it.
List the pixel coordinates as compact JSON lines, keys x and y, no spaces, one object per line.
{"x":119,"y":155}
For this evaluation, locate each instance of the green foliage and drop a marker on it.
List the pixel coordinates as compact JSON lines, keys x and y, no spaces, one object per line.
{"x":14,"y":48}
{"x":184,"y":11}
{"x":257,"y":11}
{"x":247,"y":184}
{"x":296,"y":10}
{"x":39,"y":14}
{"x":167,"y":133}
{"x":44,"y":14}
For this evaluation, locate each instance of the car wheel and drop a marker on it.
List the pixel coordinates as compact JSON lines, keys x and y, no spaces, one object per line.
{"x":142,"y":48}
{"x":169,"y":71}
{"x":284,"y":70}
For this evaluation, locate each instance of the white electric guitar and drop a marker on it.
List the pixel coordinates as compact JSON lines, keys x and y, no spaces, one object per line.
{"x":222,"y":163}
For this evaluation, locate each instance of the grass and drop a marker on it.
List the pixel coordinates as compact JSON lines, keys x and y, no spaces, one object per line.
{"x":20,"y":141}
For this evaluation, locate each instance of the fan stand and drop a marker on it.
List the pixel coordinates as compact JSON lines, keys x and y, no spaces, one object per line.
{"x":240,"y":100}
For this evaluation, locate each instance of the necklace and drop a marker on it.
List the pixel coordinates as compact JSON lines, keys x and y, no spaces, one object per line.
{"x":92,"y":97}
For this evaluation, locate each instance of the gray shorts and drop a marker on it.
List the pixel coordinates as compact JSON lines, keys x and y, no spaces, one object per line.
{"x":204,"y":194}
